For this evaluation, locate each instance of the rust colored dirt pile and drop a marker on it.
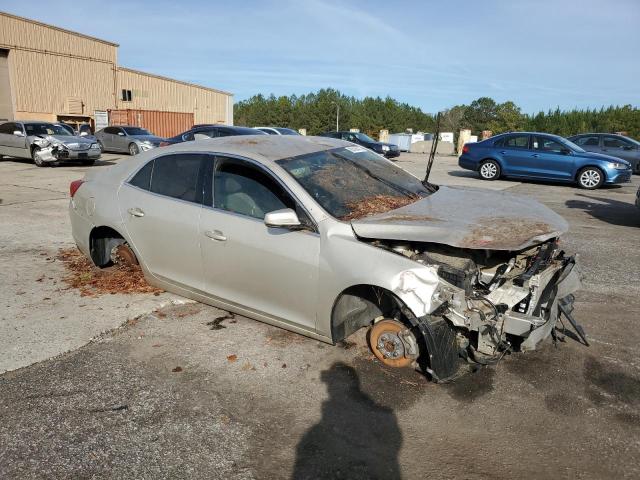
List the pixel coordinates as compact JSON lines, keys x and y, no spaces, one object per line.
{"x":92,"y":281}
{"x":376,"y":204}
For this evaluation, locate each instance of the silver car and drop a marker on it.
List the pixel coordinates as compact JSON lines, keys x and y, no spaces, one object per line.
{"x":277,"y":130}
{"x":131,"y":140}
{"x":323,"y":237}
{"x":46,"y":143}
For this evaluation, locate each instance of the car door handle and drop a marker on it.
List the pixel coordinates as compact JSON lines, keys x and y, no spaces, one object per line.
{"x":216,"y":235}
{"x":136,"y":212}
{"x":535,"y":155}
{"x":503,"y":152}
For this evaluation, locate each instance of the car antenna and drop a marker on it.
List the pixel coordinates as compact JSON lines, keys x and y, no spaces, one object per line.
{"x":432,"y":153}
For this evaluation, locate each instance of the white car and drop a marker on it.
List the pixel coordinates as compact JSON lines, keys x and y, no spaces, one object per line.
{"x":323,"y":237}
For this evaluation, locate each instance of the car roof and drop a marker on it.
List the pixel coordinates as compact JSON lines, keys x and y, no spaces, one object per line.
{"x":265,"y":149}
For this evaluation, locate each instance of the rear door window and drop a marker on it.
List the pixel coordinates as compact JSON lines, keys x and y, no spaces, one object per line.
{"x":517,"y":141}
{"x":142,"y":179}
{"x":177,"y":176}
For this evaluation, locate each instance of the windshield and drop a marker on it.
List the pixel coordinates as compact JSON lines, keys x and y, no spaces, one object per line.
{"x":46,"y":129}
{"x":136,"y":131}
{"x":571,"y":145}
{"x":364,"y":138}
{"x":286,"y":131}
{"x":353,"y":182}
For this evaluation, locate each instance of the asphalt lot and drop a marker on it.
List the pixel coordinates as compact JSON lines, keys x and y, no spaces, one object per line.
{"x":167,"y":396}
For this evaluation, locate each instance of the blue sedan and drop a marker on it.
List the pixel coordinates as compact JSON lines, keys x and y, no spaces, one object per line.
{"x":541,"y":156}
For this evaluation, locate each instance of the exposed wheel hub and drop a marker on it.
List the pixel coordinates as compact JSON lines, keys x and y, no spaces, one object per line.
{"x":390,"y":346}
{"x":392,"y":343}
{"x":123,"y":255}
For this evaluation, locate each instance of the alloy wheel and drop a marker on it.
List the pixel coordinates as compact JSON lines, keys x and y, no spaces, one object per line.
{"x":488,"y":170}
{"x":590,"y":178}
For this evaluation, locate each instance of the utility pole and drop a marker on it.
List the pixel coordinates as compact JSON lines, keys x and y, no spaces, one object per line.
{"x":337,"y":115}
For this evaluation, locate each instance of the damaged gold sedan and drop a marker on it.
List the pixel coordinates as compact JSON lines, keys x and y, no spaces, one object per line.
{"x":323,"y":238}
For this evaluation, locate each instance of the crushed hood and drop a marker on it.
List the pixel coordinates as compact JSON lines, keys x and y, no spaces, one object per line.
{"x":467,"y":218}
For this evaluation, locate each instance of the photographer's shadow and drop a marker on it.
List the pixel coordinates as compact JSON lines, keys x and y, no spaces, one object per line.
{"x":355,"y":439}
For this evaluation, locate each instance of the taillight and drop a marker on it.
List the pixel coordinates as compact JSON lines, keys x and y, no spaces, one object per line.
{"x":75,"y":185}
{"x":465,"y":149}
{"x":164,"y":144}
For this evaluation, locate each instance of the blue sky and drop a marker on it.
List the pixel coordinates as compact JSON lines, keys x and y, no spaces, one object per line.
{"x":432,"y":54}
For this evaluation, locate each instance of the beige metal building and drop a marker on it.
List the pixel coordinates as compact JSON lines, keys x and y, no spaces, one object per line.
{"x":48,"y":73}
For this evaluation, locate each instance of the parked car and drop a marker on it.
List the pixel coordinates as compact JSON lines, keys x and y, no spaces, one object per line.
{"x":542,"y":156}
{"x":277,"y":130}
{"x":127,"y":139}
{"x":610,"y":144}
{"x":46,"y":143}
{"x":200,"y":132}
{"x":387,"y":149}
{"x":321,"y":237}
{"x":84,"y":130}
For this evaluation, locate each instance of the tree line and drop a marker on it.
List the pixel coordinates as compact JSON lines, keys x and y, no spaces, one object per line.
{"x":316,"y":112}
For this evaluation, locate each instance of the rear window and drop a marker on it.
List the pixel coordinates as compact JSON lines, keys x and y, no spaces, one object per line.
{"x":516,"y":141}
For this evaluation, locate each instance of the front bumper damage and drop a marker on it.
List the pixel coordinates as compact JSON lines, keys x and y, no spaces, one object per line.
{"x":482,"y":326}
{"x":52,"y":154}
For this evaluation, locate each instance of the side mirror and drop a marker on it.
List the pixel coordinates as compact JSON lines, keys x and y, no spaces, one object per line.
{"x":565,"y":151}
{"x":627,"y":147}
{"x":285,"y":218}
{"x":18,"y":133}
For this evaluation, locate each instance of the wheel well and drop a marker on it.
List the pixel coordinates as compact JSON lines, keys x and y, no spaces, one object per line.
{"x":358,"y":306}
{"x":604,"y":174}
{"x":101,"y":242}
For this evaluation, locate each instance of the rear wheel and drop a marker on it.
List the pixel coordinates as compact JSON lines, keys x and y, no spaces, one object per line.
{"x":36,"y":158}
{"x":590,"y":178}
{"x":133,"y":149}
{"x":489,"y":170}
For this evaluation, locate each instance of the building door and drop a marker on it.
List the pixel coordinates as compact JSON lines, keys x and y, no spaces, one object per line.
{"x":6,"y":105}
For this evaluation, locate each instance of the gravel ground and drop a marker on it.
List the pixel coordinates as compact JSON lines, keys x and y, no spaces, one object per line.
{"x":172,"y":395}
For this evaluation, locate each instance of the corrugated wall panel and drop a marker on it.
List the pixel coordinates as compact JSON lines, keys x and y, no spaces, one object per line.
{"x":163,"y":124}
{"x":27,"y":34}
{"x":153,"y":93}
{"x":42,"y":83}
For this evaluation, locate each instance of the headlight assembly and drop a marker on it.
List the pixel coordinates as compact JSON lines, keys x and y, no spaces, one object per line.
{"x":617,"y":166}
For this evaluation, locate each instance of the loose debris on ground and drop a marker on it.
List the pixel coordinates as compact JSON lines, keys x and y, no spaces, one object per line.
{"x":216,"y":323}
{"x":376,"y":204}
{"x":93,"y":281}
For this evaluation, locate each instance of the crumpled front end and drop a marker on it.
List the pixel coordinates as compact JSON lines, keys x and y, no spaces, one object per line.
{"x":51,"y":150}
{"x":493,"y":301}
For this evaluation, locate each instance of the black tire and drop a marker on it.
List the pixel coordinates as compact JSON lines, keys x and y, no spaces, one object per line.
{"x":590,"y":178}
{"x":36,"y":159}
{"x":133,"y":149}
{"x":489,"y":170}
